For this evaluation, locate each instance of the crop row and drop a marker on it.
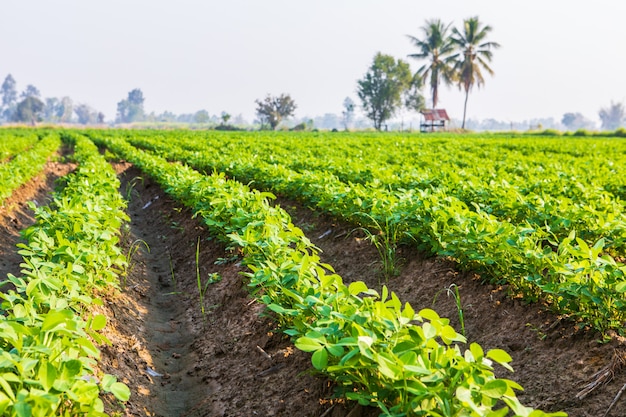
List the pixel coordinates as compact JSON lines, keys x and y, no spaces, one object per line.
{"x":577,"y":277}
{"x":25,"y":165}
{"x":15,"y":141}
{"x":377,"y":350}
{"x":522,"y":181}
{"x":48,"y":336}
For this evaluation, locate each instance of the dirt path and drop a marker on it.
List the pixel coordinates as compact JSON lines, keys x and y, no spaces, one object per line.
{"x":232,"y":362}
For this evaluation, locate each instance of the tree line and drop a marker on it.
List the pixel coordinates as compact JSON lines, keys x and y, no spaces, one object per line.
{"x":458,"y":56}
{"x":452,"y":55}
{"x":30,"y":107}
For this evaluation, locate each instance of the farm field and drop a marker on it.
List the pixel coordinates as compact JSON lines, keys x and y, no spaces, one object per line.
{"x":217,"y":354}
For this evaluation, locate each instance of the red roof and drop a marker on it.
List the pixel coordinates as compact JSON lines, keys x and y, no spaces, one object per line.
{"x":435,"y":114}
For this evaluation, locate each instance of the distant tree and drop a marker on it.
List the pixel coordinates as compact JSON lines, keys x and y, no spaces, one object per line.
{"x":8,"y":90}
{"x":31,"y":91}
{"x":348,"y":112}
{"x":201,"y":116}
{"x":131,"y":109}
{"x":272,"y":110}
{"x":9,"y":97}
{"x":225,"y":117}
{"x":474,"y":57}
{"x":327,"y":121}
{"x":239,"y":120}
{"x":382,"y":88}
{"x":50,"y":109}
{"x":166,"y":116}
{"x":436,"y":48}
{"x":413,"y":98}
{"x":29,"y":110}
{"x":186,"y":118}
{"x":575,"y":121}
{"x":613,"y":116}
{"x":58,"y":110}
{"x":86,"y":115}
{"x":65,"y":110}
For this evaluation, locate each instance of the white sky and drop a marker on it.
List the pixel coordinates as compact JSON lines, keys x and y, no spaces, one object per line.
{"x":557,"y":56}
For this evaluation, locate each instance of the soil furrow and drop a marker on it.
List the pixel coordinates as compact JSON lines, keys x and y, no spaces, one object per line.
{"x":211,"y":365}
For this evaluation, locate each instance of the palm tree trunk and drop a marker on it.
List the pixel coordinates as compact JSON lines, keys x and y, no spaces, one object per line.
{"x":465,"y":107}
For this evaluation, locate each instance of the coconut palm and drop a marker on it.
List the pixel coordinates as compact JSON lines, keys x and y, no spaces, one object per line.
{"x":436,"y":47}
{"x":474,"y":57}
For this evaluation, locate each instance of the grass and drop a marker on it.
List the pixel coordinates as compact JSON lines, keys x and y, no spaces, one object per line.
{"x":132,"y":250}
{"x":385,"y":239}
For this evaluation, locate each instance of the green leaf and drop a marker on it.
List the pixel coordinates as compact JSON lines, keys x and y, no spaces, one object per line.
{"x":429,"y":314}
{"x":498,"y":413}
{"x":98,"y":322}
{"x":335,"y":350}
{"x":54,"y":319}
{"x":408,"y":312}
{"x":449,"y":335}
{"x":6,"y":387}
{"x":320,"y":359}
{"x":120,"y":390}
{"x":47,"y":375}
{"x":23,"y":409}
{"x":499,"y":356}
{"x":307,"y":344}
{"x":477,"y":351}
{"x":357,"y":287}
{"x":621,"y":287}
{"x":494,"y":389}
{"x":4,"y":403}
{"x":429,"y":330}
{"x":72,"y":368}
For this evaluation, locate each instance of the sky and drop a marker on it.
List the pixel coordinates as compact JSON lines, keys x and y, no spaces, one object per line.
{"x":556,"y":56}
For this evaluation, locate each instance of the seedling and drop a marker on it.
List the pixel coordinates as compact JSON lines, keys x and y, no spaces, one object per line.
{"x":453,"y":290}
{"x":202,"y":288}
{"x":130,"y":187}
{"x":227,"y":260}
{"x":132,"y":250}
{"x":385,"y":239}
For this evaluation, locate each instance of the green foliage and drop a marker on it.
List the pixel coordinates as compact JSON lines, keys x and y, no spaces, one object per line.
{"x":500,"y":205}
{"x":386,"y":238}
{"x":29,"y":158}
{"x":131,"y":109}
{"x":382,"y":87}
{"x":202,"y":288}
{"x":475,"y":54}
{"x":272,"y":110}
{"x":379,"y":351}
{"x":47,"y":335}
{"x":437,"y":48}
{"x":29,"y":110}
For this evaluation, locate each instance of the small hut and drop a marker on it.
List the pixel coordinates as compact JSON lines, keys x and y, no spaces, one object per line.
{"x":434,"y":119}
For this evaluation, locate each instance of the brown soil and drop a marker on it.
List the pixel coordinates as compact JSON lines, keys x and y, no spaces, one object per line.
{"x":235,"y":363}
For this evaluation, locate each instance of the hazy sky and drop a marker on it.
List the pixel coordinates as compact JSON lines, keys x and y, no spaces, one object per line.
{"x":557,"y":56}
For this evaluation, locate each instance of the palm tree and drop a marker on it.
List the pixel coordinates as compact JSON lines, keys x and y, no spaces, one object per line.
{"x":474,"y":56}
{"x":437,"y":48}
